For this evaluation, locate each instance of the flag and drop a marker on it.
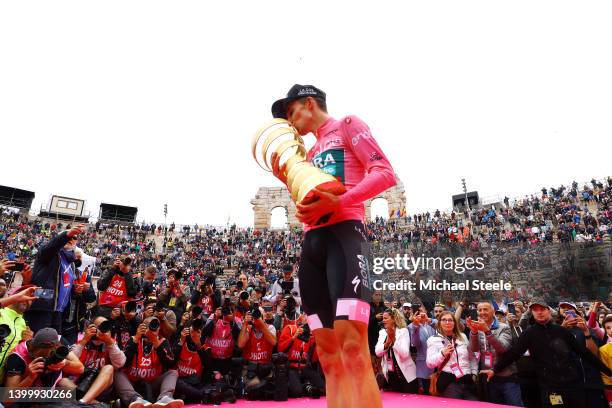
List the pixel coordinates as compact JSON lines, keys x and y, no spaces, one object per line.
{"x":398,"y":213}
{"x":391,"y":212}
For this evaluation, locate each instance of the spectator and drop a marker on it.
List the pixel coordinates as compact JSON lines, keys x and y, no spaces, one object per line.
{"x":54,"y":271}
{"x":422,"y":329}
{"x":553,"y":350}
{"x":452,"y":348}
{"x":490,"y":339}
{"x":394,"y":342}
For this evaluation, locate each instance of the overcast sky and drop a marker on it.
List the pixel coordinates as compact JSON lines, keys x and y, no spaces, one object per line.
{"x":146,"y":102}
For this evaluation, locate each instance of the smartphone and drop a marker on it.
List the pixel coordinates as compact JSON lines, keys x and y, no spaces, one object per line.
{"x":473,"y":313}
{"x":18,"y":266}
{"x":511,"y":308}
{"x":570,"y":313}
{"x":44,"y":293}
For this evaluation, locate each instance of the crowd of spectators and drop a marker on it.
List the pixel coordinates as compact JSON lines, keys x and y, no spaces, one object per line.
{"x":206,"y":315}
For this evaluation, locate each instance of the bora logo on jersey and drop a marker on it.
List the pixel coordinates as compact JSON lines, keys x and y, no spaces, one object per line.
{"x":331,"y":162}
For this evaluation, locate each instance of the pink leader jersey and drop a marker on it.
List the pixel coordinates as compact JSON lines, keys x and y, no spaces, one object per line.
{"x":346,"y":150}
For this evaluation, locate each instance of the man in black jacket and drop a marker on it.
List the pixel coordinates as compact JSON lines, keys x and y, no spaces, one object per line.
{"x":116,"y":285}
{"x":54,"y":271}
{"x":555,"y":352}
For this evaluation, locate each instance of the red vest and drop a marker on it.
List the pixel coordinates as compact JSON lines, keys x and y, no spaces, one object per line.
{"x":298,"y":352}
{"x":92,"y":358}
{"x":189,"y":363}
{"x":257,"y":349}
{"x":221,"y":342}
{"x":115,"y":293}
{"x":145,"y":367}
{"x":206,"y":302}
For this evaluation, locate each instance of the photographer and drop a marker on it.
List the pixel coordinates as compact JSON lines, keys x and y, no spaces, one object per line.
{"x":41,"y":362}
{"x":298,"y":343}
{"x":207,"y":296}
{"x":125,"y":325}
{"x":287,"y":285}
{"x":100,"y":355}
{"x":175,"y":294}
{"x":192,"y":357}
{"x":288,"y":313}
{"x":149,"y":360}
{"x":116,"y":285}
{"x":256,"y":339}
{"x":221,"y":333}
{"x":54,"y":271}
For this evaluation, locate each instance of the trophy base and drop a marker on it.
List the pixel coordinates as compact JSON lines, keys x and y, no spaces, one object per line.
{"x":334,"y":187}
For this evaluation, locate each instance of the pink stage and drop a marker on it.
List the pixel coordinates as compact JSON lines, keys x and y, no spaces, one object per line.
{"x":390,"y":400}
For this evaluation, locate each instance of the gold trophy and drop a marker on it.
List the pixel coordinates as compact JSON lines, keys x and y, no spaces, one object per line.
{"x":280,"y":137}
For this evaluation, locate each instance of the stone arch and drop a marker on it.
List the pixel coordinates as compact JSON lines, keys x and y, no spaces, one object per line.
{"x":395,"y":196}
{"x":377,"y":203}
{"x":268,"y":198}
{"x":275,"y":212}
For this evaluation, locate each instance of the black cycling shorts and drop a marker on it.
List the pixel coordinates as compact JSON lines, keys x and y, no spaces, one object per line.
{"x":334,"y":274}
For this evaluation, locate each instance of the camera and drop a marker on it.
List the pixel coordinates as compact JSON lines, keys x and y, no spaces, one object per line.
{"x":305,"y":335}
{"x":154,"y":324}
{"x":105,"y":326}
{"x":58,"y":355}
{"x":287,"y":287}
{"x":18,"y":266}
{"x":255,"y":312}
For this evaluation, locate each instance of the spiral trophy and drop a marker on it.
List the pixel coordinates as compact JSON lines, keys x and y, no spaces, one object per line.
{"x":280,"y":137}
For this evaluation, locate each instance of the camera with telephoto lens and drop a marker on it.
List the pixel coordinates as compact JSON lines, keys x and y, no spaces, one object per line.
{"x":105,"y":326}
{"x":255,"y":312}
{"x":58,"y":355}
{"x":154,"y":324}
{"x":305,"y":335}
{"x":287,"y":287}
